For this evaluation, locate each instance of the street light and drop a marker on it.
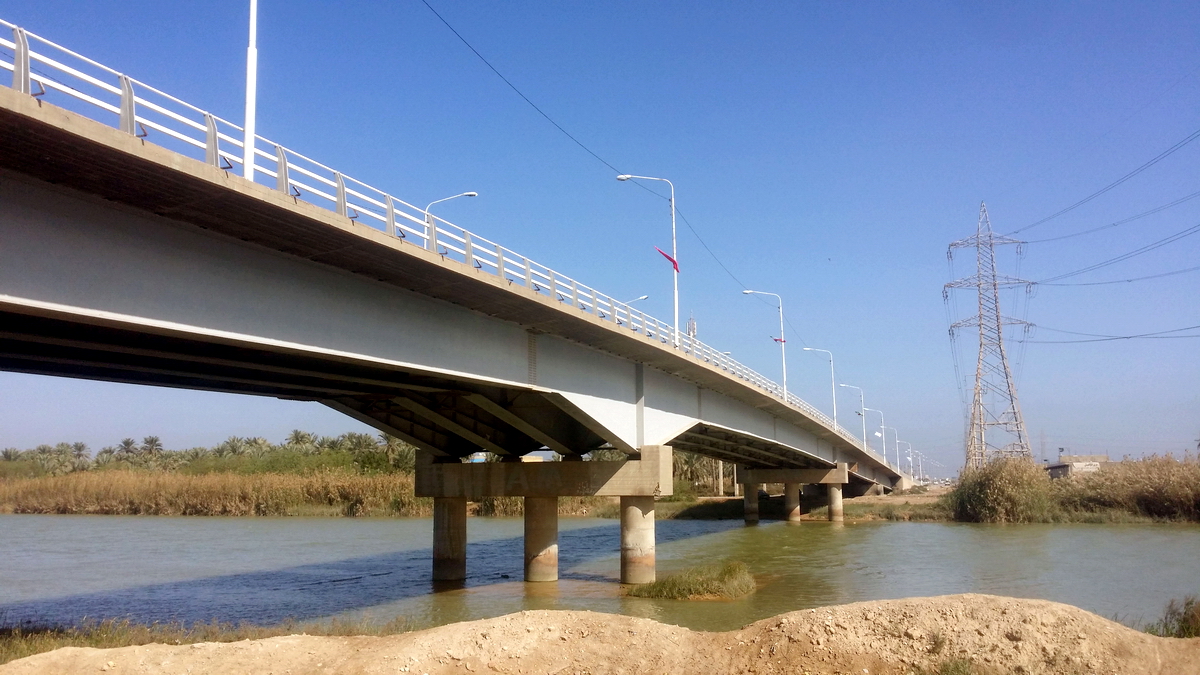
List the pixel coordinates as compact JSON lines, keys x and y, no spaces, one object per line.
{"x":674,"y":248}
{"x":910,"y":454}
{"x":782,"y":339}
{"x":863,"y":414}
{"x":637,"y":299}
{"x":429,"y":216}
{"x":896,"y":440}
{"x":832,"y":380}
{"x":881,"y":434}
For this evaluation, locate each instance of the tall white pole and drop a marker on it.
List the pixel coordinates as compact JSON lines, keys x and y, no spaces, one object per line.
{"x":863,"y":407}
{"x":832,"y":380}
{"x":251,"y":94}
{"x":882,"y":432}
{"x":675,"y":267}
{"x":783,"y":349}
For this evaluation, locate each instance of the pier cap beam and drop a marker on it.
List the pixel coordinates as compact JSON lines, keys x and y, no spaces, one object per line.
{"x":839,"y":475}
{"x":649,"y":476}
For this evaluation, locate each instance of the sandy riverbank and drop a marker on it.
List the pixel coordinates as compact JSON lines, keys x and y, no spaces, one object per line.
{"x":915,"y":635}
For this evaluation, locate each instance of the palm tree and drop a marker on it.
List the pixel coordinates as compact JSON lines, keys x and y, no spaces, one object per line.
{"x":151,"y":445}
{"x":401,"y":455}
{"x":127,"y":447}
{"x":79,"y":450}
{"x":10,"y":454}
{"x":300,"y":438}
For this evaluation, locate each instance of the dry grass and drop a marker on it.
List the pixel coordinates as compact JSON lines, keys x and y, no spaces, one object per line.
{"x":1004,"y":491}
{"x":1163,"y":488}
{"x":1180,"y":620}
{"x":217,"y":494}
{"x":726,"y":580}
{"x":17,"y":642}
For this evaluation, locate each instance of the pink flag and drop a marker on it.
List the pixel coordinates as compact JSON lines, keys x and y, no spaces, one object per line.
{"x":664,"y":254}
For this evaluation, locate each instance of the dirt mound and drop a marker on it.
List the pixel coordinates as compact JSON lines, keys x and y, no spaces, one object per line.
{"x":997,"y":635}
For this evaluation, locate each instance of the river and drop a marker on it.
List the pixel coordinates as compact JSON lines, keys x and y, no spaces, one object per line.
{"x":63,"y":569}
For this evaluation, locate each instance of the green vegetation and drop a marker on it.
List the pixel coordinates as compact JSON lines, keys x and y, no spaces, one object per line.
{"x":1015,"y":491}
{"x":17,"y":642}
{"x":1180,"y":620}
{"x":726,"y":580}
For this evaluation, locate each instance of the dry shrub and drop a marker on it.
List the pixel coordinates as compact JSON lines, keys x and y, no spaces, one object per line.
{"x":1004,"y":491}
{"x":216,"y":494}
{"x":1180,"y":620}
{"x":1157,"y":487}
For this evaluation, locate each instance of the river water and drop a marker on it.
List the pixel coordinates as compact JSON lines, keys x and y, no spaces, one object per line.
{"x":63,"y":569}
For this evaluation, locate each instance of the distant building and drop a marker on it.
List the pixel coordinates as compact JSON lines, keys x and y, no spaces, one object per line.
{"x":1069,"y":465}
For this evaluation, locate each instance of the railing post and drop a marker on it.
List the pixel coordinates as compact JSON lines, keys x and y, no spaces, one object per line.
{"x":21,"y":62}
{"x":528,"y":274}
{"x":212,"y":147}
{"x":341,"y":193}
{"x":391,"y":216}
{"x":500,"y":261}
{"x":128,"y":111}
{"x":595,"y":302}
{"x":283,"y":182}
{"x":575,"y":294}
{"x":468,"y":251}
{"x":553,"y":284}
{"x":431,"y":232}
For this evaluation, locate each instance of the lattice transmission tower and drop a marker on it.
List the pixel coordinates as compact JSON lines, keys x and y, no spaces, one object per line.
{"x":996,"y":427}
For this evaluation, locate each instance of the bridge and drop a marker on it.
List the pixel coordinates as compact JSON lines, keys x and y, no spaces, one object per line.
{"x":133,"y":249}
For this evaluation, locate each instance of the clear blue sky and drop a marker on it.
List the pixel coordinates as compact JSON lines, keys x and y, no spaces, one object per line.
{"x":827,"y":152}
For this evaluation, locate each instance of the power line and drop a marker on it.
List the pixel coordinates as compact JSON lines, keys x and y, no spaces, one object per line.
{"x":1157,"y":335}
{"x":1126,"y":281}
{"x":1126,"y":256}
{"x":1120,"y":222}
{"x":1158,"y":158}
{"x":591,"y":152}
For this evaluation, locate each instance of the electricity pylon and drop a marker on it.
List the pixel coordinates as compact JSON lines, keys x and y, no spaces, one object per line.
{"x":994,"y":406}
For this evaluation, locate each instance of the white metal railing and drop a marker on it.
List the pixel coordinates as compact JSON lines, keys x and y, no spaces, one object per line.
{"x":54,"y":73}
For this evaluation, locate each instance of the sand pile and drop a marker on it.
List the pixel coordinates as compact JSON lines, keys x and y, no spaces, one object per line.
{"x":997,"y":635}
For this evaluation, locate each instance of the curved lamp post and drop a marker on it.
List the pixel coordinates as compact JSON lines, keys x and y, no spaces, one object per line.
{"x":862,"y":408}
{"x":782,"y":339}
{"x":674,"y":248}
{"x":832,"y":380}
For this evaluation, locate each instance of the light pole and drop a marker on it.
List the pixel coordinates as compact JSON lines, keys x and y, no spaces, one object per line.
{"x":896,"y":439}
{"x":637,"y":299}
{"x":782,"y":339}
{"x":674,"y":248}
{"x":832,"y":381}
{"x":861,"y":407}
{"x":251,"y":95}
{"x":881,"y":432}
{"x":429,"y":216}
{"x":910,"y":454}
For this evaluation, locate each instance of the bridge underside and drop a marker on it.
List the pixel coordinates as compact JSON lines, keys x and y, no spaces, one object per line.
{"x":449,"y":416}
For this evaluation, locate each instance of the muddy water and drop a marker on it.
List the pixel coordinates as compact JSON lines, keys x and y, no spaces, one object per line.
{"x":61,"y":569}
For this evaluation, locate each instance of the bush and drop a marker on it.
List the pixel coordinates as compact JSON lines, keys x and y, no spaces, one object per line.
{"x":1156,"y":487}
{"x":727,"y":580}
{"x":1180,"y":620}
{"x":1004,"y":491}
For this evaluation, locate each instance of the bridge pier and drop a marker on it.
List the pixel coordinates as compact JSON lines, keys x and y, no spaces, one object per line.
{"x":835,"y":503}
{"x":791,"y":502}
{"x":449,"y":538}
{"x":636,"y":481}
{"x":750,"y":503}
{"x":637,"y":540}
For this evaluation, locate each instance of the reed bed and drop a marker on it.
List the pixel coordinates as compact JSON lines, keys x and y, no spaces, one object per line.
{"x":215,"y":494}
{"x":723,"y":581}
{"x":19,"y":641}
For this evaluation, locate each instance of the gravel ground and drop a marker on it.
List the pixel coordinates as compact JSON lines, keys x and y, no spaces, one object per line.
{"x":996,"y":634}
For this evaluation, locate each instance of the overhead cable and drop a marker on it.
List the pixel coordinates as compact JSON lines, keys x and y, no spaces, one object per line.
{"x":1157,"y":335}
{"x":1158,"y":158}
{"x":1120,"y":222}
{"x":1126,"y":256}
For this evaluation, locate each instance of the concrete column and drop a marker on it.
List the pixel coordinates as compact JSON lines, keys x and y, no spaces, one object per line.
{"x":791,"y":502}
{"x":449,"y":538}
{"x":750,"y":507}
{"x":541,"y":539}
{"x":637,"y":540}
{"x":835,"y":503}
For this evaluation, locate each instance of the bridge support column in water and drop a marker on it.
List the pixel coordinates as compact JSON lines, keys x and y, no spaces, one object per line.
{"x":750,"y":503}
{"x":791,"y":502}
{"x":835,"y":503}
{"x":541,"y":539}
{"x":637,"y":540}
{"x":449,"y":538}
